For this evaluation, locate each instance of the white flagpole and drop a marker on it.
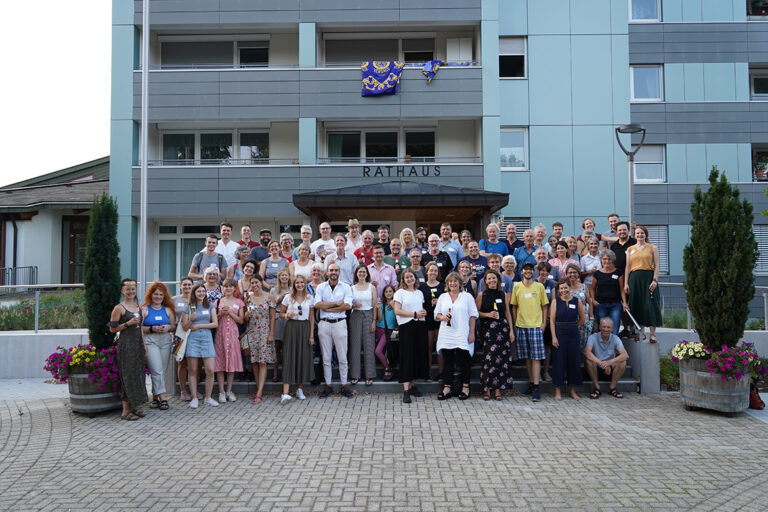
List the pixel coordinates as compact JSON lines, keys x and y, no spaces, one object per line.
{"x":142,"y":254}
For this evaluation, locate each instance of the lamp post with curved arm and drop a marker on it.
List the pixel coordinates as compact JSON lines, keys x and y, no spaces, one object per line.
{"x":630,"y":129}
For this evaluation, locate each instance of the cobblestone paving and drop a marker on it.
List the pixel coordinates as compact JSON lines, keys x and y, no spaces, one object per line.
{"x":374,"y":453}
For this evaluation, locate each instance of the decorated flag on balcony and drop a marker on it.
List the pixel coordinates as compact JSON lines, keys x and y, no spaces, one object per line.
{"x":430,"y":69}
{"x":381,"y":77}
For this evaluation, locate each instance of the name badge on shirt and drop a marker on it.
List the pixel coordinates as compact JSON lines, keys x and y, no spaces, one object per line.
{"x":498,"y":301}
{"x":433,"y":290}
{"x":439,"y":264}
{"x":275,"y":265}
{"x":528,"y":295}
{"x":180,"y":304}
{"x":235,"y":307}
{"x":205,"y":312}
{"x":614,"y":276}
{"x":421,"y":279}
{"x":548,"y":290}
{"x":571,"y":306}
{"x":158,"y":317}
{"x":550,"y":276}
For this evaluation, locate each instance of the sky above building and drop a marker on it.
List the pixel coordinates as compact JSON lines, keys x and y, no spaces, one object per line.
{"x":56,"y":90}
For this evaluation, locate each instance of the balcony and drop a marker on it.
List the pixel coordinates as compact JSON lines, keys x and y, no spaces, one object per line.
{"x":201,"y":13}
{"x":247,"y":191}
{"x":285,"y":93}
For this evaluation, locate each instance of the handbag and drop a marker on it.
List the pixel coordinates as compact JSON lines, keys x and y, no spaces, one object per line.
{"x":755,"y":402}
{"x":180,"y":342}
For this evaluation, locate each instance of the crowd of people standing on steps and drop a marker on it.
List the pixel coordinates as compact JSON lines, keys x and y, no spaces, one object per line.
{"x":352,"y":299}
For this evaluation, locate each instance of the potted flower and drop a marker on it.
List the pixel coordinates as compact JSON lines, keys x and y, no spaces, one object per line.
{"x":759,"y":166}
{"x":91,"y":374}
{"x":718,"y":263}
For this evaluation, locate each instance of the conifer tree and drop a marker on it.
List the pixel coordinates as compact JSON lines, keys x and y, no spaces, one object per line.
{"x":719,"y":262}
{"x":101,"y":271}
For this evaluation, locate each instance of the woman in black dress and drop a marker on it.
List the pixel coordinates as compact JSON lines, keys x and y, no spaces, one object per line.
{"x":432,"y":289}
{"x":131,"y":351}
{"x":496,"y":373}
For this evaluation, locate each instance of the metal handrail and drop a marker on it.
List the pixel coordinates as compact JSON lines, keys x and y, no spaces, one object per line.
{"x":689,"y":318}
{"x":244,"y":162}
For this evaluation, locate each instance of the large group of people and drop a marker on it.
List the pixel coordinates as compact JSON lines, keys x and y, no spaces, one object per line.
{"x":354,"y":299}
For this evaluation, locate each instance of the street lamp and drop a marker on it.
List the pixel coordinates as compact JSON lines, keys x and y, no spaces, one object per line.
{"x":630,"y":129}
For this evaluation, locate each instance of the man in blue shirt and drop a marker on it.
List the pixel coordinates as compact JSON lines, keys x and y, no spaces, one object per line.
{"x":525,"y":254}
{"x":493,"y":244}
{"x":449,"y":245}
{"x":605,"y":358}
{"x":478,"y":263}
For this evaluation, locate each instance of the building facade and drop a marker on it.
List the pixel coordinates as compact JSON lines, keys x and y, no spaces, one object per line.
{"x":255,"y":115}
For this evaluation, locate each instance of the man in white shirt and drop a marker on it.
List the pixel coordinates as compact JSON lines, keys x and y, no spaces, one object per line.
{"x":323,"y":246}
{"x":346,"y":262}
{"x":226,"y":246}
{"x":333,"y":298}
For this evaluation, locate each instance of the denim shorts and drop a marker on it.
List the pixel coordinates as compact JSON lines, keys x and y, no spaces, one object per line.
{"x":200,"y":344}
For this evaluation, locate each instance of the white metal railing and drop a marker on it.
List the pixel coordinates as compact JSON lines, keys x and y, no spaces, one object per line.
{"x":761,"y":292}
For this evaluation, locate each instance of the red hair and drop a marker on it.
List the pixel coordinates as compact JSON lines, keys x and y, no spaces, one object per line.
{"x":167,"y":301}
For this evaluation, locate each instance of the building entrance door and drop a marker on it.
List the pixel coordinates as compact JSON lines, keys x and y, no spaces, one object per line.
{"x":73,"y":257}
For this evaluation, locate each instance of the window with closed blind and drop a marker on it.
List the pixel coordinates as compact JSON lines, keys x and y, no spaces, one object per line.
{"x":659,"y":236}
{"x":521,"y":223}
{"x":761,"y":236}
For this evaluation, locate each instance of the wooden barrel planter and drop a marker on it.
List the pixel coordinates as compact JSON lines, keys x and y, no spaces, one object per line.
{"x":86,"y":397}
{"x":703,"y":389}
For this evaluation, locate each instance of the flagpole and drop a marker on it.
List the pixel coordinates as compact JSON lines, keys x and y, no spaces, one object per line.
{"x":142,"y":246}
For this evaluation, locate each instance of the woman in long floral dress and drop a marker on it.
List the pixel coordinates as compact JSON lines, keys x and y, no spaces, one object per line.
{"x":496,"y":373}
{"x":257,"y":334}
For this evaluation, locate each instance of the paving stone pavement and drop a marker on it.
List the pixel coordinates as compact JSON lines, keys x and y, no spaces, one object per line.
{"x":374,"y":453}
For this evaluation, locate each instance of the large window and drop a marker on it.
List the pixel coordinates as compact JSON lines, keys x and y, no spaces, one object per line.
{"x":344,"y":147}
{"x":644,"y":10}
{"x":757,"y":8}
{"x":216,"y":148}
{"x":420,"y":146}
{"x":381,"y":146}
{"x":512,"y":57}
{"x":649,"y":164}
{"x":659,"y":236}
{"x":213,"y":54}
{"x":645,"y":83}
{"x":418,"y":50}
{"x":253,"y":54}
{"x":514,"y":152}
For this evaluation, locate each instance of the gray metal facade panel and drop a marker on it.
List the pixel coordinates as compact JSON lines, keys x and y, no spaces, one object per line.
{"x":320,"y":93}
{"x":702,"y":122}
{"x":656,"y":43}
{"x":648,"y":199}
{"x":248,"y":191}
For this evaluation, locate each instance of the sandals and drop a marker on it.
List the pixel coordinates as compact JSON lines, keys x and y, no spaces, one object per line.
{"x":256,"y":399}
{"x":129,"y":416}
{"x":369,"y":382}
{"x":154,"y":404}
{"x":387,"y":375}
{"x":653,"y":339}
{"x":163,"y":405}
{"x":615,"y":393}
{"x":444,"y":396}
{"x":353,"y":382}
{"x":595,"y":394}
{"x":486,"y":395}
{"x":463,"y":395}
{"x":138,"y":413}
{"x":497,"y":395}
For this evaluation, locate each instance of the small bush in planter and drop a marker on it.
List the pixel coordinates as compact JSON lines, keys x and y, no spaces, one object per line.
{"x":100,"y":365}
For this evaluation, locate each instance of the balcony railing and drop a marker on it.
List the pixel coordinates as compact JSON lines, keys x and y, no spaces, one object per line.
{"x":219,"y":67}
{"x":240,"y":162}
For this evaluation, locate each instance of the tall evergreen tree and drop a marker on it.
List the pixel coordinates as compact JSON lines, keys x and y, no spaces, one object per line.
{"x":719,"y":262}
{"x":101,"y":274}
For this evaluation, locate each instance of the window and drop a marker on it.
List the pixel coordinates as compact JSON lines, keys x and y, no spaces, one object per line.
{"x":420,"y":146}
{"x":649,"y":164}
{"x":644,"y":10}
{"x":253,"y":54}
{"x":178,"y":147}
{"x":418,"y":50}
{"x":759,"y":162}
{"x":512,"y":57}
{"x":513,"y":149}
{"x":355,"y":51}
{"x":254,"y":148}
{"x":659,"y":236}
{"x":521,"y":223}
{"x":761,"y":237}
{"x":215,"y":147}
{"x":758,"y":83}
{"x":645,"y":82}
{"x":757,"y":8}
{"x":343,"y":147}
{"x":380,"y":146}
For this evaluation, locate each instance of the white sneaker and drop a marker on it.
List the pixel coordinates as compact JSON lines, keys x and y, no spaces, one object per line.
{"x":300,"y":394}
{"x":284,"y":398}
{"x":193,"y":403}
{"x":222,"y":398}
{"x":231,"y":397}
{"x":211,"y":402}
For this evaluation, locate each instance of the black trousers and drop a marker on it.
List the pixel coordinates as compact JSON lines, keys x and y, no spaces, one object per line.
{"x":450,"y":356}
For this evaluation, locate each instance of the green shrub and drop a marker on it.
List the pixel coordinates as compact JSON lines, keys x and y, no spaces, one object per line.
{"x":675,"y":319}
{"x":755,"y":324}
{"x":21,"y":317}
{"x":669,"y":372}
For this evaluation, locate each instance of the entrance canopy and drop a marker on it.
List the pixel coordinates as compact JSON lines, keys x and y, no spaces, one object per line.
{"x":402,"y":201}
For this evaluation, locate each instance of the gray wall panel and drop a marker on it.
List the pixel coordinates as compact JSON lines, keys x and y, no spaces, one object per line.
{"x":697,"y":42}
{"x":702,"y":122}
{"x":245,"y":190}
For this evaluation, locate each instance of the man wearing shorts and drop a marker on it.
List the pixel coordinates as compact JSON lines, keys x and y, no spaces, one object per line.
{"x":529,"y":309}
